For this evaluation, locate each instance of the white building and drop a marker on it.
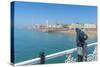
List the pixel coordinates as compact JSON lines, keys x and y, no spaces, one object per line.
{"x":75,"y":25}
{"x":90,"y":26}
{"x":52,"y":25}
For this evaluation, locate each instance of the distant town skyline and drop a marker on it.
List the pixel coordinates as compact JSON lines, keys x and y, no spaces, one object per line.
{"x":38,"y":13}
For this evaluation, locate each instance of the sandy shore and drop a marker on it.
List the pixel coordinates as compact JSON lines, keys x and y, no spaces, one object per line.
{"x":89,"y":32}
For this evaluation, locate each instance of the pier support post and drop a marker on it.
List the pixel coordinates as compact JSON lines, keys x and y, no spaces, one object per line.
{"x":81,"y":45}
{"x":42,"y":58}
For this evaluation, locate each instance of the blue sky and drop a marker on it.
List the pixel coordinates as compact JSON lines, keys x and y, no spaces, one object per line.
{"x":38,"y":13}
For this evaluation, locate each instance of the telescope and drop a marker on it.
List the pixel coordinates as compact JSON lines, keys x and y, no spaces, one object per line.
{"x":81,"y":38}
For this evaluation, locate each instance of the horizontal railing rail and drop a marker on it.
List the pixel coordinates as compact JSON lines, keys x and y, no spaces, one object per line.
{"x":51,"y":56}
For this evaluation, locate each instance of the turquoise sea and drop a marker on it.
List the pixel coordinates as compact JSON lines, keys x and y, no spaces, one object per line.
{"x":29,"y":44}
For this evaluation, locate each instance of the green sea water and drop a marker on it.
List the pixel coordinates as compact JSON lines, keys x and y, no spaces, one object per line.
{"x":28,"y":44}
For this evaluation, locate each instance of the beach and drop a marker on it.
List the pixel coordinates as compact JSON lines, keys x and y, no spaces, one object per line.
{"x":88,"y":32}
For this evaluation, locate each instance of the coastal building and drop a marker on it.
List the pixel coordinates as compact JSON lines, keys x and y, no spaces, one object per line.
{"x":75,"y":25}
{"x":82,"y":26}
{"x":56,"y":25}
{"x":90,"y":26}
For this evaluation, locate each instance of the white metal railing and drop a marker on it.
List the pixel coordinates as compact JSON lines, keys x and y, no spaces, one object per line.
{"x":90,"y":57}
{"x":54,"y":55}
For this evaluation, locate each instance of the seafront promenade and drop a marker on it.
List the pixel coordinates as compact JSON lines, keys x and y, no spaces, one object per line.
{"x":90,"y":29}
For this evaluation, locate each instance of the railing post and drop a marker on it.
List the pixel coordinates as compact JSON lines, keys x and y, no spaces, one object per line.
{"x":42,"y":58}
{"x":81,"y":45}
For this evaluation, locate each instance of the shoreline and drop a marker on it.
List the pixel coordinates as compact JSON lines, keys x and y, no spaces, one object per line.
{"x":72,"y":32}
{"x":89,"y":32}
